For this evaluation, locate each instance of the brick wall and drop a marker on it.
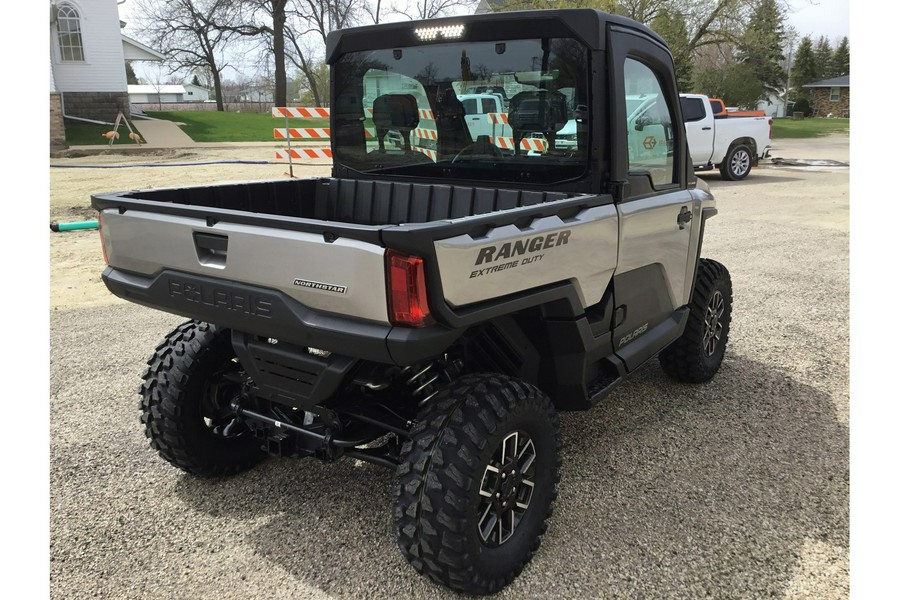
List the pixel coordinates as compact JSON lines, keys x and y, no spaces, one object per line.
{"x":821,"y":104}
{"x":102,"y":106}
{"x":57,"y":127}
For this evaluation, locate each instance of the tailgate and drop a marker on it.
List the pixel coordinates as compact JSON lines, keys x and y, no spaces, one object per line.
{"x":343,"y":276}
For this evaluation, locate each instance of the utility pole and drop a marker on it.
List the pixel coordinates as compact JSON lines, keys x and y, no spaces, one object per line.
{"x":791,"y":37}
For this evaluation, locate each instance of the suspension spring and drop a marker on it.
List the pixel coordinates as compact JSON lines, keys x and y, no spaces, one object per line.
{"x":421,"y":381}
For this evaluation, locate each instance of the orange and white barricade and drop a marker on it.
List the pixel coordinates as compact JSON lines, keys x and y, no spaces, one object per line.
{"x":288,"y":133}
{"x":303,"y":153}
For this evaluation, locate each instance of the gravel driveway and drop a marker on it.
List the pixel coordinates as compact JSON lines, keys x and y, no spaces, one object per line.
{"x":733,"y":489}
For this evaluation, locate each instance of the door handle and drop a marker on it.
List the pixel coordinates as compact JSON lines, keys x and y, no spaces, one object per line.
{"x":684,"y":217}
{"x":707,"y":128}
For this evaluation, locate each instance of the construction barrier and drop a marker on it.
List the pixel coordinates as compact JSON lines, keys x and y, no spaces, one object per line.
{"x":324,"y":133}
{"x":425,"y":134}
{"x":303,"y":153}
{"x":288,"y":133}
{"x":320,"y":112}
{"x":294,"y":112}
{"x":310,"y":133}
{"x":429,"y":153}
{"x":508,"y":143}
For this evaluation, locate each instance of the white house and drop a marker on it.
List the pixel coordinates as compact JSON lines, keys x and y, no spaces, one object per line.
{"x":138,"y":94}
{"x":188,"y":92}
{"x":87,"y":61}
{"x":195,"y":93}
{"x":773,"y":105}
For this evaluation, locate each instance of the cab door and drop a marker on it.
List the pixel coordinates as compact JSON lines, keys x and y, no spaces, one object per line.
{"x":699,"y":125}
{"x":657,"y":212}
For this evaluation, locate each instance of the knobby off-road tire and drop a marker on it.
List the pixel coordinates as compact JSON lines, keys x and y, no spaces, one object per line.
{"x":464,"y":450}
{"x":737,"y":164}
{"x":185,"y":403}
{"x":697,"y":355}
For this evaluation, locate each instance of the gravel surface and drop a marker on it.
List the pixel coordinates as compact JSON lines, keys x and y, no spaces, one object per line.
{"x":733,"y":489}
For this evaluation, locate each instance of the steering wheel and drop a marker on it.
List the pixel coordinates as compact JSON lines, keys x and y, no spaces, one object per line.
{"x":494,"y":151}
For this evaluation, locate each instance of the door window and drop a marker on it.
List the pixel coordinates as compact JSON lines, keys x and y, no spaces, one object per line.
{"x":651,"y":137}
{"x":692,"y":109}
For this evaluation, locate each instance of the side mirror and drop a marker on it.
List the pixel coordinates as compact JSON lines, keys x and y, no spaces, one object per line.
{"x":642,"y":122}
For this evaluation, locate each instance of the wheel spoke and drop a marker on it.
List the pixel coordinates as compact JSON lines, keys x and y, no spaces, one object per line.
{"x":511,"y":525}
{"x":527,"y":456}
{"x":510,"y":445}
{"x":487,"y":529}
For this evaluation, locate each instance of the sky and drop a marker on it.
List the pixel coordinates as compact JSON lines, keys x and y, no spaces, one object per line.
{"x":815,"y":18}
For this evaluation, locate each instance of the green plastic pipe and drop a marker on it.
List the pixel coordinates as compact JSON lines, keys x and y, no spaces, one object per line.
{"x":72,"y":226}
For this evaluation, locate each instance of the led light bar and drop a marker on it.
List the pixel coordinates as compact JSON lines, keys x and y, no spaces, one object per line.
{"x":431,"y":34}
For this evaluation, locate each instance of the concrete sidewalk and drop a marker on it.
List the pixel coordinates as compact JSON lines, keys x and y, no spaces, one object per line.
{"x":163,"y":134}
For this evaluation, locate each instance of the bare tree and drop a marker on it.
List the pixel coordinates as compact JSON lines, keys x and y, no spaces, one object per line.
{"x":429,"y":9}
{"x":324,"y":16}
{"x":274,"y":12}
{"x":194,"y":34}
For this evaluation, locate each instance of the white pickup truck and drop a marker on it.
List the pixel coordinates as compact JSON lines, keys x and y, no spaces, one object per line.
{"x":479,"y":108}
{"x":734,"y":145}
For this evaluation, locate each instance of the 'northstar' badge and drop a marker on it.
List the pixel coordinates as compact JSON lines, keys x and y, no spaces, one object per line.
{"x":318,"y":285}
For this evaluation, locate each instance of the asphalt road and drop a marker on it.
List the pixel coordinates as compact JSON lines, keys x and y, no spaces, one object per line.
{"x":733,"y":489}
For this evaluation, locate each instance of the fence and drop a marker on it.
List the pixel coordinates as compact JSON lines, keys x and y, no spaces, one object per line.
{"x":250,"y":107}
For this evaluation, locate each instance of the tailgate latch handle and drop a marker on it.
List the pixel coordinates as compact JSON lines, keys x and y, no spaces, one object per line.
{"x":212,"y":249}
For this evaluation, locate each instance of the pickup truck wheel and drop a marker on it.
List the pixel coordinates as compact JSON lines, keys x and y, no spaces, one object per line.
{"x":737,"y":163}
{"x":697,"y":355}
{"x":186,"y":403}
{"x":477,"y":481}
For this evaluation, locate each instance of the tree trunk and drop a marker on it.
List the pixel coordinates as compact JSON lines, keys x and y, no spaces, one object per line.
{"x":278,"y":23}
{"x":217,"y":85}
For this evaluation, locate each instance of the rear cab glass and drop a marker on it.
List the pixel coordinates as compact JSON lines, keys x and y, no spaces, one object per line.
{"x":439,"y":111}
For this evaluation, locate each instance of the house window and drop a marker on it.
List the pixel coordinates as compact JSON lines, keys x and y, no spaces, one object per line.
{"x":835,"y":94}
{"x":68,"y":25}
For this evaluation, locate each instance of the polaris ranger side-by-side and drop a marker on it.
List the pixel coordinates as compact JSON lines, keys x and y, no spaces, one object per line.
{"x":432,"y":311}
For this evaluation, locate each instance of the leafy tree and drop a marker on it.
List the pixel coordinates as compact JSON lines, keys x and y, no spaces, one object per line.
{"x":313,"y":89}
{"x":804,"y":70}
{"x":840,"y":60}
{"x":672,"y":28}
{"x":195,"y":80}
{"x":761,"y":45}
{"x":736,"y":84}
{"x":823,"y":58}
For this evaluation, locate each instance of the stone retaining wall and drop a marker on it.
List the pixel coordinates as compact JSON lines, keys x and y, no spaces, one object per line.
{"x":57,"y":127}
{"x":102,"y":106}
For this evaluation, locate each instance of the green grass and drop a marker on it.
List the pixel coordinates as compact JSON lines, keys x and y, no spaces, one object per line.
{"x":89,"y":134}
{"x":214,"y":126}
{"x":807,"y":128}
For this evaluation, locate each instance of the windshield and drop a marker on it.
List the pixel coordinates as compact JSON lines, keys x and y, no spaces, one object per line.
{"x":493,"y":111}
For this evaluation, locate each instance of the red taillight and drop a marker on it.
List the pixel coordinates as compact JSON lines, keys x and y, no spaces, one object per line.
{"x":407,"y":300}
{"x":102,"y":241}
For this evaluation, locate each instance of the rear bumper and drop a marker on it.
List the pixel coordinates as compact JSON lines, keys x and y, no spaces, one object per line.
{"x":273,"y":314}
